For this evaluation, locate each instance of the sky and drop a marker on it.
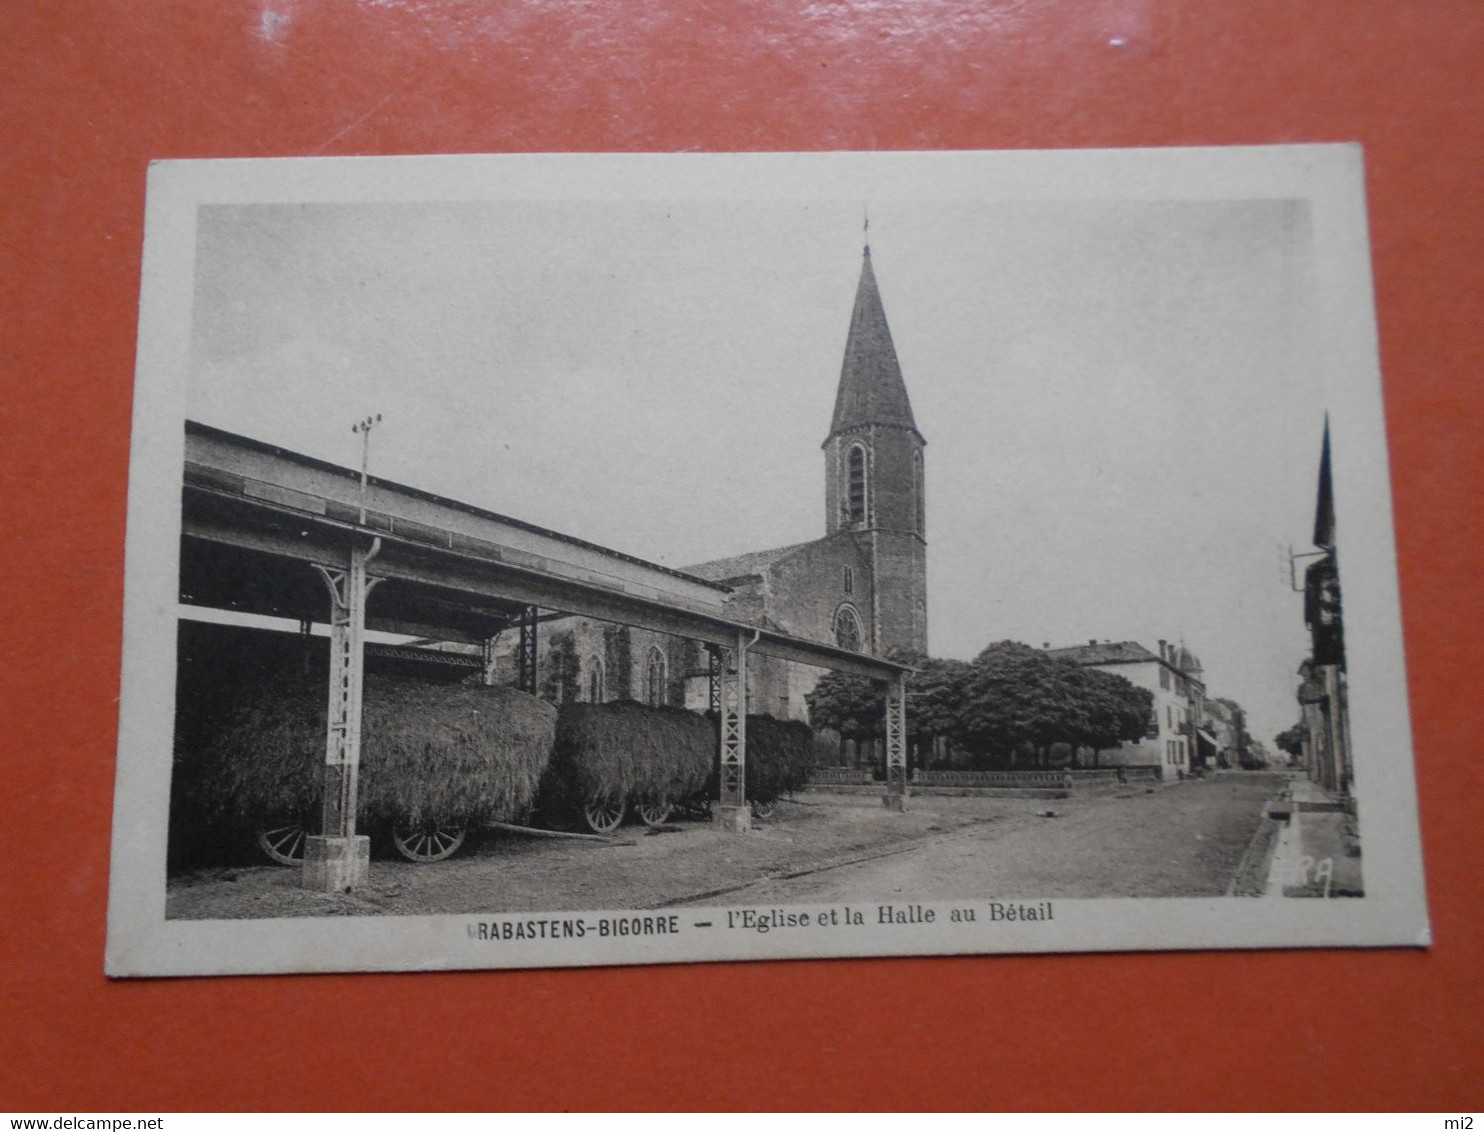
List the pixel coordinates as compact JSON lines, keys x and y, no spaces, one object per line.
{"x":1120,"y":398}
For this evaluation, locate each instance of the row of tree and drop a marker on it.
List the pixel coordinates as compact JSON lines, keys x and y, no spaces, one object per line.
{"x":1010,"y":697}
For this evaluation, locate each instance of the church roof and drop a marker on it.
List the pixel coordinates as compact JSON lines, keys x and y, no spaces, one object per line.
{"x":742,"y":565}
{"x":1324,"y":511}
{"x":871,"y":388}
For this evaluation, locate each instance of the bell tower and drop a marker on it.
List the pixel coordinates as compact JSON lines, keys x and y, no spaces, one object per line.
{"x":874,"y":474}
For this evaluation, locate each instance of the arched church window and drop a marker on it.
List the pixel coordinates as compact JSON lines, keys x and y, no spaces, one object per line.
{"x":917,"y":491}
{"x":595,"y":680}
{"x":849,"y":580}
{"x":855,"y":506}
{"x":848,"y":629}
{"x":655,"y":679}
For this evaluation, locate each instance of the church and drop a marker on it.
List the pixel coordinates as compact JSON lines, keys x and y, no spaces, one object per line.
{"x":863,"y":585}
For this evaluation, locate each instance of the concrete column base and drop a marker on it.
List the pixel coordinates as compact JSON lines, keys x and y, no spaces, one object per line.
{"x":896,"y":803}
{"x":336,"y":864}
{"x":732,"y":819}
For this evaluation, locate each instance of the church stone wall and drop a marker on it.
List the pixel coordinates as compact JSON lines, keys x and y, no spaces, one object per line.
{"x":804,"y":590}
{"x":801,"y":595}
{"x":566,"y":648}
{"x":894,"y":494}
{"x":901,"y":567}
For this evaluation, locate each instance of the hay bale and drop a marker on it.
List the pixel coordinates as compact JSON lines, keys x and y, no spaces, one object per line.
{"x":453,"y":754}
{"x":780,"y":757}
{"x":627,"y":752}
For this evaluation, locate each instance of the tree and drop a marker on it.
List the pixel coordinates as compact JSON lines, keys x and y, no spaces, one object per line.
{"x":935,"y":700}
{"x":855,"y":706}
{"x":1010,"y":697}
{"x":851,"y":705}
{"x":1292,"y":740}
{"x":1016,"y":697}
{"x":1117,"y":709}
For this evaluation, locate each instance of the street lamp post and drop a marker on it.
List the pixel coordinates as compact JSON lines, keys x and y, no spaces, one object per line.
{"x":364,"y":427}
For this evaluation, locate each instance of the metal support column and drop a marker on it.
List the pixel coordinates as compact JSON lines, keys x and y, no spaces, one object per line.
{"x":732,"y":813}
{"x":526,"y":675}
{"x":338,"y":860}
{"x":896,"y":745}
{"x":716,"y":665}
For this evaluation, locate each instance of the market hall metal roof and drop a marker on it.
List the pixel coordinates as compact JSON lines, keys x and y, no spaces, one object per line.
{"x":254,"y":514}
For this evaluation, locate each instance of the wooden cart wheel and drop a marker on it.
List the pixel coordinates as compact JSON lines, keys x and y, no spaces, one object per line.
{"x":653,"y":813}
{"x":603,"y":817}
{"x":764,"y":810}
{"x":283,"y":841}
{"x":428,"y":843}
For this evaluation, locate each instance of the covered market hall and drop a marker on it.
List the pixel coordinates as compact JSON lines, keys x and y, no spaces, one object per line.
{"x":267,"y":531}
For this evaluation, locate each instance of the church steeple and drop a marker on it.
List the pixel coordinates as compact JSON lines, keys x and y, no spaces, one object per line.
{"x":874,"y":473}
{"x":871,"y":388}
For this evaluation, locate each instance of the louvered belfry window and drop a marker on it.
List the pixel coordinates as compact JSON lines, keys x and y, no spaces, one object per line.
{"x":857,"y":487}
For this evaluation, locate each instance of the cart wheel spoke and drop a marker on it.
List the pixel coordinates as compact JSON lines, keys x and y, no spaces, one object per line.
{"x":425,"y":844}
{"x":654,"y":813}
{"x":603,"y":817}
{"x":283,"y":842}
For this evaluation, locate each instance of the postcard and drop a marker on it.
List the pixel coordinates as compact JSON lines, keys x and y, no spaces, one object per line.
{"x":560,"y":560}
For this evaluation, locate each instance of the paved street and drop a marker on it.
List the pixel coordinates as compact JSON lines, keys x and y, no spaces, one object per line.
{"x":1186,"y":839}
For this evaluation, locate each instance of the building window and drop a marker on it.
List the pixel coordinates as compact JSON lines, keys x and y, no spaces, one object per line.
{"x":849,"y":580}
{"x":1153,"y":732}
{"x":655,"y":679}
{"x":1164,"y":678}
{"x":848,"y":629}
{"x":856,"y":488}
{"x":918,"y":492}
{"x":595,"y":681}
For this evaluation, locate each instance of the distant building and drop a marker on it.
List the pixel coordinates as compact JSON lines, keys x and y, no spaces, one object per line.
{"x":863,"y":586}
{"x":1324,"y":692}
{"x":1223,"y":726}
{"x":1175,"y":677}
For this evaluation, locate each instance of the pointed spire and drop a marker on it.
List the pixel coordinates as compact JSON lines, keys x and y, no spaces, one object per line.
{"x":1324,"y":511}
{"x":871,"y":388}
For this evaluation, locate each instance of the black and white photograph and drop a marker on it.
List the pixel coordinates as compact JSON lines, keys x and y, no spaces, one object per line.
{"x":560,"y":560}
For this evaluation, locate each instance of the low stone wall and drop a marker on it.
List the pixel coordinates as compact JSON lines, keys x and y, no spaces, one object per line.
{"x":988,"y":783}
{"x":1011,"y":778}
{"x":841,"y":776}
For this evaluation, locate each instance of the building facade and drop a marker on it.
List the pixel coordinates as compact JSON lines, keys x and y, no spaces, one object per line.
{"x":1324,"y":689}
{"x":1174,"y":676}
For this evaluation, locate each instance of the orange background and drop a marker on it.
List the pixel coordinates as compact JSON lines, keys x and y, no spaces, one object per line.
{"x":93,"y":89}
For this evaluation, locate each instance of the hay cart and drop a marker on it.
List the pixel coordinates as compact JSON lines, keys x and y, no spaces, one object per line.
{"x":614,"y":758}
{"x":780,"y":758}
{"x":436,"y":762}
